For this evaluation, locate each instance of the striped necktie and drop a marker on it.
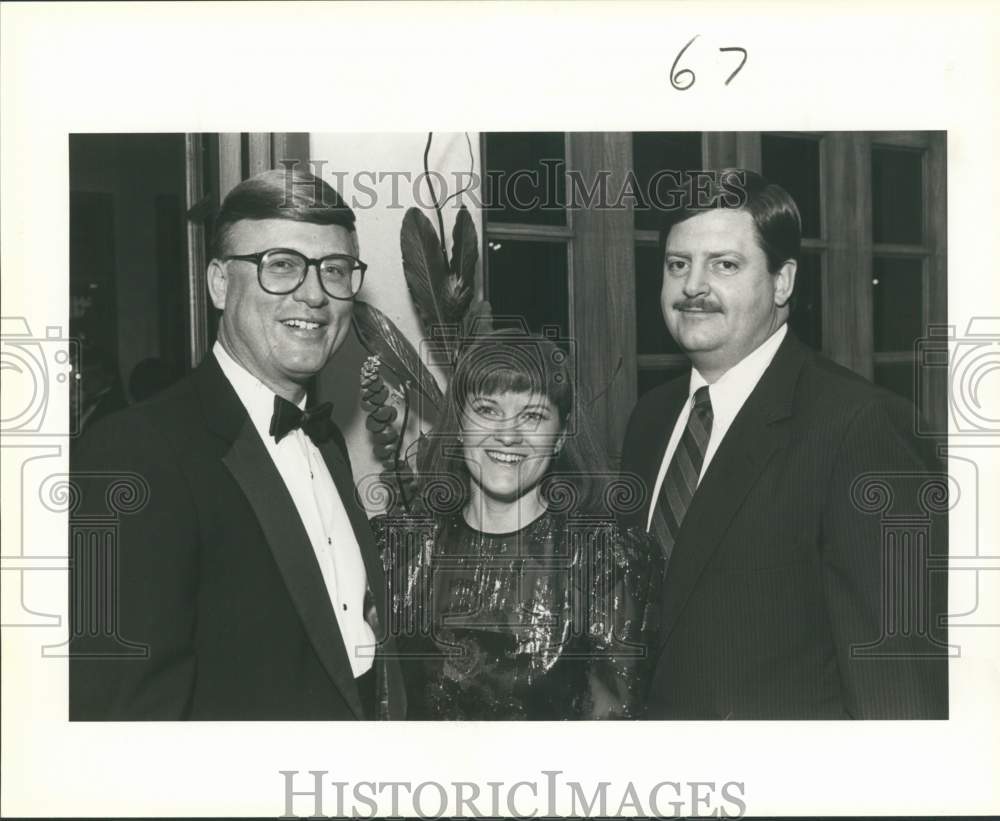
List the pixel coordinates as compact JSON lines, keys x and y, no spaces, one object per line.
{"x":681,"y":479}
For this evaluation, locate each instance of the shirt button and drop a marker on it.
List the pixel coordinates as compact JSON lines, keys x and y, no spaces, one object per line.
{"x":344,"y":606}
{"x":329,"y":540}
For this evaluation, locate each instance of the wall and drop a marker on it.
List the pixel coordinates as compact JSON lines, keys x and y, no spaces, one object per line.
{"x":358,"y":165}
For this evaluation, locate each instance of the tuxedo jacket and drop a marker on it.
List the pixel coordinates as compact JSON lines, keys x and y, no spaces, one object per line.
{"x":799,"y":586}
{"x":195,"y":592}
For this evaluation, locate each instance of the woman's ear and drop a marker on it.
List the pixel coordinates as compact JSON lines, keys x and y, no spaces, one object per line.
{"x":218,"y":283}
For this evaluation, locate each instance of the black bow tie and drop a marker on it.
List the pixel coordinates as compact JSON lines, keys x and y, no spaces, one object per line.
{"x":315,"y":422}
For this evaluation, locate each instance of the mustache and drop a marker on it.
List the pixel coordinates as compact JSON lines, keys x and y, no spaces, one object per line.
{"x":698,"y":304}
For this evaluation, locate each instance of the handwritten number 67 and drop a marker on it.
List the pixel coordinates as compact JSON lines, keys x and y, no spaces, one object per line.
{"x":683,"y":80}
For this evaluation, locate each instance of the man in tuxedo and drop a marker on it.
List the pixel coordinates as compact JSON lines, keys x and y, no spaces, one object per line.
{"x":764,"y":464}
{"x":243,"y":582}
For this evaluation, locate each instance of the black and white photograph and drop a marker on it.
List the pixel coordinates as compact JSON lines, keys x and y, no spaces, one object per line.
{"x":618,"y":446}
{"x":536,"y":533}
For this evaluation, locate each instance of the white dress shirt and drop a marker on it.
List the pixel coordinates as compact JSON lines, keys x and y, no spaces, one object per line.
{"x":728,"y":393}
{"x":320,"y":508}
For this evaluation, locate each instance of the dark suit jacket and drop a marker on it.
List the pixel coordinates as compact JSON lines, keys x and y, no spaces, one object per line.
{"x":788,"y":563}
{"x":195,"y":592}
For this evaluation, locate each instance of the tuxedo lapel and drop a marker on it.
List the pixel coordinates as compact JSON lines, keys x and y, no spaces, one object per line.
{"x":755,"y":436}
{"x":254,"y":471}
{"x":252,"y":468}
{"x":388,"y":676}
{"x":340,"y":472}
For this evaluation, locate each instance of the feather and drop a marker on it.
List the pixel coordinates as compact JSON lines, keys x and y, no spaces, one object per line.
{"x":464,"y":256}
{"x":382,"y":338}
{"x":424,"y":267}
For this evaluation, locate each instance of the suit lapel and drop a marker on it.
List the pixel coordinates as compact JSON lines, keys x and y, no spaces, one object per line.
{"x":672,"y":409}
{"x":251,"y":466}
{"x":661,"y":426}
{"x":751,"y":441}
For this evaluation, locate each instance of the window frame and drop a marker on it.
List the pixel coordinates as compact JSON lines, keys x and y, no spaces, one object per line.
{"x":846,"y":244}
{"x":602,"y":278}
{"x":214,"y":165}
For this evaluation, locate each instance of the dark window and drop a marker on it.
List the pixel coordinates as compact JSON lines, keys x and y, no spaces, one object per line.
{"x":128,"y":262}
{"x":528,"y":280}
{"x":793,"y":163}
{"x":92,"y":278}
{"x":898,"y":303}
{"x":806,"y":318}
{"x":897,"y":195}
{"x":652,"y":336}
{"x":525,"y":178}
{"x":654,"y":152}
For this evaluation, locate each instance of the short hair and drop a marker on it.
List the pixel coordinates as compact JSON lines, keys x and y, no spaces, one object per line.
{"x":510,"y":360}
{"x":286,"y":193}
{"x":776,"y":218}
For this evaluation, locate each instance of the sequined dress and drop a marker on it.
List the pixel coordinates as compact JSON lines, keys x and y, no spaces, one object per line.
{"x":553,"y":621}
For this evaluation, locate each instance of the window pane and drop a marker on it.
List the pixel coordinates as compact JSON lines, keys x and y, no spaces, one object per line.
{"x":897,"y":195}
{"x":650,"y":378}
{"x":92,"y":270}
{"x":127,"y":228}
{"x":651,"y":331}
{"x":897,"y":377}
{"x":529,"y":280}
{"x":656,"y":151}
{"x":806,"y":318}
{"x":898,"y":303}
{"x":525,"y":178}
{"x":793,"y":163}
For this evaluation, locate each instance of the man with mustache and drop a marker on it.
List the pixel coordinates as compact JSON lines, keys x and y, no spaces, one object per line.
{"x":774,"y":602}
{"x":244,"y":582}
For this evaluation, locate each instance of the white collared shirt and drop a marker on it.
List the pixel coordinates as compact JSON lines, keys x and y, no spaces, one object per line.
{"x":320,"y":508}
{"x":728,"y":393}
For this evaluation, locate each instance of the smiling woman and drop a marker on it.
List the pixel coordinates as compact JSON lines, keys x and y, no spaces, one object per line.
{"x":509,"y":439}
{"x":521,"y":599}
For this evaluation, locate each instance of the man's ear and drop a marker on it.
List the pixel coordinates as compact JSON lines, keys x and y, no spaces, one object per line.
{"x":218,"y":283}
{"x":784,"y":282}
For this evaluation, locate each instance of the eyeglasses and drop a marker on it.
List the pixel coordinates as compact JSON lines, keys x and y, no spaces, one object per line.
{"x":282,"y":270}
